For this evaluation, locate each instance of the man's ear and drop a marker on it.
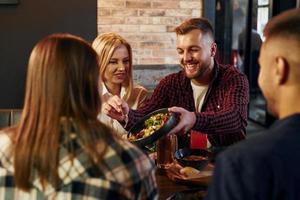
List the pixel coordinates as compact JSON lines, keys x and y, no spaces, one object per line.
{"x":282,"y":70}
{"x":213,"y":49}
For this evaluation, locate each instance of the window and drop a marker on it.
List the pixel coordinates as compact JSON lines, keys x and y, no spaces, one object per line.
{"x":262,"y":16}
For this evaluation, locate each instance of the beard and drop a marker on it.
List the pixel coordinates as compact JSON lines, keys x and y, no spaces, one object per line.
{"x":194,"y":70}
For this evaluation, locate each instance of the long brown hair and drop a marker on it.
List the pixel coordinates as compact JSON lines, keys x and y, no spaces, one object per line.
{"x":105,"y":45}
{"x":61,"y":92}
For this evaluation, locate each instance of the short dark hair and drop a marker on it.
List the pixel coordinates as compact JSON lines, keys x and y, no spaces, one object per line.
{"x":286,"y":24}
{"x":195,"y":23}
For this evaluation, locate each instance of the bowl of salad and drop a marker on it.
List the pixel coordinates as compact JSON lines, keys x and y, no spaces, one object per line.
{"x":151,"y":127}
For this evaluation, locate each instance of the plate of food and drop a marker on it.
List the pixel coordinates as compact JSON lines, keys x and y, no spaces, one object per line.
{"x":189,"y":175}
{"x":196,"y":158}
{"x":151,"y":127}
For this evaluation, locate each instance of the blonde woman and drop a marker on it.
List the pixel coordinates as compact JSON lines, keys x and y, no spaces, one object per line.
{"x":115,"y":57}
{"x":60,"y":150}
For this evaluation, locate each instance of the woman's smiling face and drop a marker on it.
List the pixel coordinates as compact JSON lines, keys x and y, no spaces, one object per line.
{"x":117,"y":69}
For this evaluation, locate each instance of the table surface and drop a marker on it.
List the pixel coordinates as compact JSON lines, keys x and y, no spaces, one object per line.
{"x":167,"y":187}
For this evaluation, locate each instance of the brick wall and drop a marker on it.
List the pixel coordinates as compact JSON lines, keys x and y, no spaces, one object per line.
{"x":148,"y":26}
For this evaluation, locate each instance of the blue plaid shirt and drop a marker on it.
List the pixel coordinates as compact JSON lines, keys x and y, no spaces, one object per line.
{"x":124,"y":173}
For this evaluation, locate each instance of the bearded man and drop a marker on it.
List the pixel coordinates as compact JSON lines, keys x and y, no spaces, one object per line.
{"x":211,"y":99}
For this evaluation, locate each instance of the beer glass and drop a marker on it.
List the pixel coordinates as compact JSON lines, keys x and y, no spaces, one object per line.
{"x":166,"y":147}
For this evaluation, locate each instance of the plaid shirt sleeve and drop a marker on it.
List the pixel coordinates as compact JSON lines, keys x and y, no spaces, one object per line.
{"x":224,"y":113}
{"x":124,"y":173}
{"x":159,"y":99}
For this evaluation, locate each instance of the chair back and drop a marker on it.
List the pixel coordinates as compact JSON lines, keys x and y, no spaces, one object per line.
{"x":9,"y":117}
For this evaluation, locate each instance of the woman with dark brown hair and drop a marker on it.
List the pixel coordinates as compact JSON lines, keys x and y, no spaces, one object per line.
{"x":59,"y":150}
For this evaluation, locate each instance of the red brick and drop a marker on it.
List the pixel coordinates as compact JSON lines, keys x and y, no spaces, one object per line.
{"x":163,"y":20}
{"x":124,"y":12}
{"x":165,"y":53}
{"x":104,"y":28}
{"x":152,"y":13}
{"x":125,"y":28}
{"x":151,"y":45}
{"x":179,"y":19}
{"x":147,"y":25}
{"x":171,"y":60}
{"x":153,"y":28}
{"x":165,"y":4}
{"x":134,"y":45}
{"x":179,"y":12}
{"x":111,"y":4}
{"x":197,"y":13}
{"x":152,"y":61}
{"x":169,"y":45}
{"x":138,"y":37}
{"x":118,"y":28}
{"x":111,"y":20}
{"x":138,"y":20}
{"x":138,"y":4}
{"x":103,"y":12}
{"x":166,"y":37}
{"x":143,"y":52}
{"x":190,"y":4}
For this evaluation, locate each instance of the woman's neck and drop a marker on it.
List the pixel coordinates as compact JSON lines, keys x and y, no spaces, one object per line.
{"x":114,"y":89}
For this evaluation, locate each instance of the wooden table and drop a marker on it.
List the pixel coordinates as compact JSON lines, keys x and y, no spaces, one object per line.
{"x":167,"y":187}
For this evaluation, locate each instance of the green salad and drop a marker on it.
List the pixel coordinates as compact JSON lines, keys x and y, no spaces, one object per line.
{"x":152,"y":124}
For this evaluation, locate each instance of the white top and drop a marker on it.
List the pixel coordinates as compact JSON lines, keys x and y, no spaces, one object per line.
{"x":199,"y":93}
{"x":137,"y":97}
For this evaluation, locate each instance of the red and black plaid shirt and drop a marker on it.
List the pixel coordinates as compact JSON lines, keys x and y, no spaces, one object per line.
{"x":224,"y":112}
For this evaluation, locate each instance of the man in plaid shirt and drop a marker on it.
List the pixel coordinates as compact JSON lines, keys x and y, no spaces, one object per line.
{"x":211,"y":98}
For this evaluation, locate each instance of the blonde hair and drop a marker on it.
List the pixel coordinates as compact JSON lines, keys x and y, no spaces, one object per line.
{"x":61,"y":100}
{"x":105,"y":45}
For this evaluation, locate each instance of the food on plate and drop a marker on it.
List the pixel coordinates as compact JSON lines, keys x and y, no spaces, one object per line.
{"x":189,"y":171}
{"x":151,"y":125}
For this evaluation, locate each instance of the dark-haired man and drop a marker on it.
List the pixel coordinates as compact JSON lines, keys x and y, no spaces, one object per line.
{"x":211,"y":98}
{"x":267,"y":166}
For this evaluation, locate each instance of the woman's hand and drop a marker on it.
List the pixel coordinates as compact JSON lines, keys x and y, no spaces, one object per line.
{"x":116,"y":108}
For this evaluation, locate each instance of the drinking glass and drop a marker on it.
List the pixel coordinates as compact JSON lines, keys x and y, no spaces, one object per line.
{"x":166,"y":148}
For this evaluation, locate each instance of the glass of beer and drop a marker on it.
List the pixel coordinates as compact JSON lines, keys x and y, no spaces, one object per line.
{"x":166,"y":147}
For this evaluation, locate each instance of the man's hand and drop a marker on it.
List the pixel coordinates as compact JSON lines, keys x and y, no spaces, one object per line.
{"x":186,"y":122}
{"x":116,"y":108}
